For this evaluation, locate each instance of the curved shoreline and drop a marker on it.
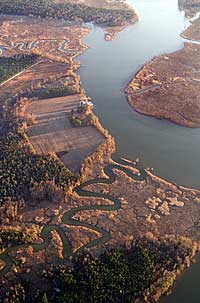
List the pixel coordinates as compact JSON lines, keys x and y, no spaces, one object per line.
{"x":69,"y":217}
{"x":150,"y":90}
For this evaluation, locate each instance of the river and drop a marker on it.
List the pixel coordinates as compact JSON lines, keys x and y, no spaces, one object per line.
{"x":107,"y":67}
{"x":172,"y":150}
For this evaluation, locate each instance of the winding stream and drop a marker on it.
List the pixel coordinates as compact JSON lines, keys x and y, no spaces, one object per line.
{"x":172,"y":150}
{"x":68,"y":217}
{"x":28,"y":46}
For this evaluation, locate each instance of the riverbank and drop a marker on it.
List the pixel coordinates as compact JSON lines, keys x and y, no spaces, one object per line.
{"x":120,"y":203}
{"x":168,"y":86}
{"x":139,"y":272}
{"x":144,"y":202}
{"x":54,"y":73}
{"x":108,"y":14}
{"x":193,"y":31}
{"x":111,"y":30}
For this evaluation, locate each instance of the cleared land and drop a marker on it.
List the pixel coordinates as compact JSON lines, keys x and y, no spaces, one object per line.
{"x":32,"y":77}
{"x":53,"y":132}
{"x":54,"y":41}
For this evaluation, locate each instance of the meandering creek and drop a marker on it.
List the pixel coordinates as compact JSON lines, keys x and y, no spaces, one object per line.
{"x":173,"y":151}
{"x":106,"y":69}
{"x":68,"y":217}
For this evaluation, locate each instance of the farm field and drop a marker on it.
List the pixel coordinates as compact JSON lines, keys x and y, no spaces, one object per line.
{"x":53,"y":132}
{"x":73,"y":219}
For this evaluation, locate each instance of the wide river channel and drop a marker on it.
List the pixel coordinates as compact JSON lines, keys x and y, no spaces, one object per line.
{"x":172,"y":150}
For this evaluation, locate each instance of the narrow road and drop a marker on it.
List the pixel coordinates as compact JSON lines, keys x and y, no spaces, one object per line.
{"x":16,"y":75}
{"x":142,"y":90}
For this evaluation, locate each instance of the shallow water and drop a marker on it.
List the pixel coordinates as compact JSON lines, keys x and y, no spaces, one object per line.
{"x":106,"y":69}
{"x":172,"y":150}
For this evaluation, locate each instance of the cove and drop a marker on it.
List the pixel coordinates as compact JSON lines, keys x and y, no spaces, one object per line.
{"x":172,"y":150}
{"x":106,"y":69}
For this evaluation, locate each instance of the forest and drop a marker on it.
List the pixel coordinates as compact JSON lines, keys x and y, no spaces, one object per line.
{"x":144,"y":269}
{"x":67,"y":11}
{"x":20,"y":167}
{"x":54,"y":92}
{"x":9,"y":66}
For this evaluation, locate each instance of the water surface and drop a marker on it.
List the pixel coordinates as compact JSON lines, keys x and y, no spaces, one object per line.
{"x":106,"y":69}
{"x":172,"y":150}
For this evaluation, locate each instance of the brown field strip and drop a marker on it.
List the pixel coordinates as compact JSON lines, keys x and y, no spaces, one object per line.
{"x":32,"y":77}
{"x":54,"y":133}
{"x":54,"y":105}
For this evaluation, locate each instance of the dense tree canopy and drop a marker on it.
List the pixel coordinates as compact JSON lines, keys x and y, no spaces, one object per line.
{"x":20,"y":167}
{"x":67,"y":11}
{"x":116,"y":276}
{"x":9,"y":66}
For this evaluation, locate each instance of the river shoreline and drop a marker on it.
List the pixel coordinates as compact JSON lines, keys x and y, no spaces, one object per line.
{"x":155,"y":89}
{"x":148,"y":203}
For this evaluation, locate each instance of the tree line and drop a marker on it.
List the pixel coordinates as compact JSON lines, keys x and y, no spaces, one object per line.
{"x":67,"y":11}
